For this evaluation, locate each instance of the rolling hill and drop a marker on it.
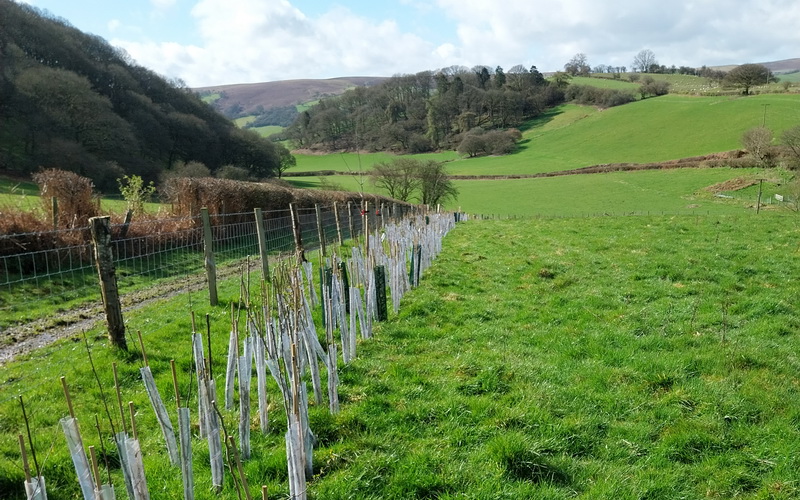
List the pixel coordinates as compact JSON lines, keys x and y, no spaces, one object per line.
{"x":254,"y":97}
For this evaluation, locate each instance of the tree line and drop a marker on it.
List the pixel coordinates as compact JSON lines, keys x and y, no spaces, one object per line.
{"x":70,"y":100}
{"x":426,"y":111}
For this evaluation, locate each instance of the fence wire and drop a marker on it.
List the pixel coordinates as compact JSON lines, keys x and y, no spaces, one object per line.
{"x":61,"y":274}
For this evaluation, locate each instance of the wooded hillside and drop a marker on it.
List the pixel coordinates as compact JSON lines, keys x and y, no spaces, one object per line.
{"x":426,"y":111}
{"x":70,"y":100}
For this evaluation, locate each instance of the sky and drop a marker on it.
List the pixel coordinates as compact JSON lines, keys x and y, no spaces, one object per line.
{"x":218,"y":42}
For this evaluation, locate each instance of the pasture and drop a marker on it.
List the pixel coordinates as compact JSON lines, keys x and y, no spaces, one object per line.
{"x":570,"y":136}
{"x":603,"y":357}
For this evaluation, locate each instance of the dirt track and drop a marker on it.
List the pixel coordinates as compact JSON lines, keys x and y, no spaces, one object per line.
{"x":45,"y":331}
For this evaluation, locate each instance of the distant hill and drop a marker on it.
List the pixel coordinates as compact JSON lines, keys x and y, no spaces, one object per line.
{"x":249,"y":99}
{"x":785,"y":66}
{"x":70,"y":100}
{"x":777,"y":67}
{"x":257,"y":99}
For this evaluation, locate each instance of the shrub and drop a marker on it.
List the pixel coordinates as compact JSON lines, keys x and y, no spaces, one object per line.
{"x":136,"y":192}
{"x":234,"y":173}
{"x":73,"y":194}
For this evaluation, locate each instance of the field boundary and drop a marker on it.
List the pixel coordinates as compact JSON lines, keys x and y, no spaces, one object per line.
{"x":716,"y":160}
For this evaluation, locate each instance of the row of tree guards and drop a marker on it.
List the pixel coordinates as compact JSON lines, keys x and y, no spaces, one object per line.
{"x":273,"y":335}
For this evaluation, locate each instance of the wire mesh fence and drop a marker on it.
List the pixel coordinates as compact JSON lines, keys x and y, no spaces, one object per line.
{"x":61,"y":274}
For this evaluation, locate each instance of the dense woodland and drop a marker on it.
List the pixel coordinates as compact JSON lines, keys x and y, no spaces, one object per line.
{"x":70,"y":100}
{"x":426,"y":111}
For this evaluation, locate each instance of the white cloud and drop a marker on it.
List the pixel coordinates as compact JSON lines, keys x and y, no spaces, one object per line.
{"x":113,"y":25}
{"x":549,"y":33}
{"x":253,"y":40}
{"x":256,"y":40}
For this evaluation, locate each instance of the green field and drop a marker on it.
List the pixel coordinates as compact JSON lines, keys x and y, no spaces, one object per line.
{"x":678,"y":191}
{"x":355,"y":162}
{"x":571,"y":136}
{"x":593,"y":358}
{"x":605,"y":82}
{"x":244,"y":120}
{"x":790,"y":77}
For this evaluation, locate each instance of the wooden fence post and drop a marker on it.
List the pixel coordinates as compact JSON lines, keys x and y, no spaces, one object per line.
{"x":298,"y":236}
{"x":126,"y":225}
{"x":262,"y":243}
{"x":211,"y":267}
{"x":320,"y":230}
{"x":100,"y":228}
{"x":338,"y":224}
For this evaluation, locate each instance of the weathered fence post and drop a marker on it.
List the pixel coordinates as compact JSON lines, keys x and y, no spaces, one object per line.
{"x":262,"y":243}
{"x":338,"y":224}
{"x":320,"y":230}
{"x":298,"y":237}
{"x":211,"y":267}
{"x":126,"y":225}
{"x":100,"y":228}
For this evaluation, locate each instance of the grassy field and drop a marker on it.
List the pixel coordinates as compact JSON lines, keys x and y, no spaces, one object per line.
{"x":676,"y":191}
{"x":597,"y":358}
{"x":572,"y":136}
{"x":605,"y":82}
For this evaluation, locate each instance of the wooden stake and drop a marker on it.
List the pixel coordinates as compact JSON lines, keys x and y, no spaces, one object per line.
{"x":132,"y":411}
{"x":66,"y":394}
{"x":175,"y":383}
{"x":25,"y":466}
{"x":141,"y":343}
{"x":95,"y":469}
{"x":30,"y":439}
{"x":119,"y":398}
{"x":263,"y":492}
{"x":242,"y":477}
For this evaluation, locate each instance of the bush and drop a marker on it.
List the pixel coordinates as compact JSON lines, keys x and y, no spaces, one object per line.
{"x":73,"y":193}
{"x":234,"y":173}
{"x":187,"y":169}
{"x":478,"y":142}
{"x":594,"y":96}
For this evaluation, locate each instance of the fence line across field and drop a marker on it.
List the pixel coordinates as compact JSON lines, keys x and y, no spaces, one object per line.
{"x":147,"y":250}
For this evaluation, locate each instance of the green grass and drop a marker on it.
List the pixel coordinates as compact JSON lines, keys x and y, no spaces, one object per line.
{"x":22,"y":195}
{"x":597,"y":358}
{"x":355,"y":162}
{"x":306,"y":105}
{"x":656,"y":129}
{"x":267,"y":130}
{"x":605,"y":82}
{"x":571,"y":136}
{"x":652,"y":191}
{"x":244,"y":120}
{"x":210,"y":98}
{"x":790,"y":77}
